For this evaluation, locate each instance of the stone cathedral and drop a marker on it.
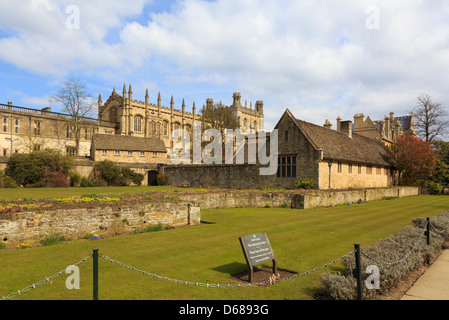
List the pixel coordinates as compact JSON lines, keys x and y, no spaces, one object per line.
{"x":153,"y":120}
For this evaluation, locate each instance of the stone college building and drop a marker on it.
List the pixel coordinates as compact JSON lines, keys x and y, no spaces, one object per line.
{"x":136,"y":134}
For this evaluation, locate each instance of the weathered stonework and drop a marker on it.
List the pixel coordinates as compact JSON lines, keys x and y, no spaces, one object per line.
{"x":32,"y":227}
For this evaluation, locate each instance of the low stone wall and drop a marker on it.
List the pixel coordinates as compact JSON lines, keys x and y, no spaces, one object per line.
{"x":329,"y":199}
{"x":243,"y":176}
{"x":32,"y":227}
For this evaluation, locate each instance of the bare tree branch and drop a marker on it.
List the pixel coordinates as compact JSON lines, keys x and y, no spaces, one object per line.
{"x":430,"y":118}
{"x":78,"y":104}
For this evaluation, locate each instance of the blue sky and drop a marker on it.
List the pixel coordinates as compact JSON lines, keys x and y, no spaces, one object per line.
{"x":321,"y":59}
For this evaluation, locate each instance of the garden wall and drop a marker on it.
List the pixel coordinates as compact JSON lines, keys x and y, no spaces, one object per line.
{"x":32,"y":227}
{"x":332,"y":198}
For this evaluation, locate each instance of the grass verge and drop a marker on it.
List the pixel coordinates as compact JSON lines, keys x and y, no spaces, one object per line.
{"x":301,"y":239}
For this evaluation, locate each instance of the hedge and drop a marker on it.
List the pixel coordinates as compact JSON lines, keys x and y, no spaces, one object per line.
{"x":391,"y":252}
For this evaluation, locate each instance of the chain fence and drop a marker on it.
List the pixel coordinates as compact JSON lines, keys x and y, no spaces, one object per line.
{"x":226,"y":285}
{"x":43,"y":281}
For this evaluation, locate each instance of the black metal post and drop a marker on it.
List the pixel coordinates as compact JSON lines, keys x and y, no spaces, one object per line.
{"x":358,"y":272}
{"x":95,"y":274}
{"x":428,"y":238}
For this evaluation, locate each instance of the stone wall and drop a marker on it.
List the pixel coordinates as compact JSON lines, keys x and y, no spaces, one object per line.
{"x":32,"y":227}
{"x":244,"y":176}
{"x":329,"y":199}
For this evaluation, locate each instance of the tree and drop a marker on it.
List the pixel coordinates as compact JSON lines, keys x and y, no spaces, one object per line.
{"x":78,"y":104}
{"x":220,"y":117}
{"x":441,"y":149}
{"x":48,"y":167}
{"x":430,"y":118}
{"x":414,"y":159}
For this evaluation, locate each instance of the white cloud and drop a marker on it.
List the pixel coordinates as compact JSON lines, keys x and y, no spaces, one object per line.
{"x":317,"y":58}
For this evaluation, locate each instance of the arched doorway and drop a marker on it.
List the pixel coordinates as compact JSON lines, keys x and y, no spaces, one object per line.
{"x":152,"y":178}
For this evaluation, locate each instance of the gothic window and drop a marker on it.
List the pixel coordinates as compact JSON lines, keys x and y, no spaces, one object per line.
{"x":138,"y":124}
{"x":189,"y":128}
{"x":159,"y":130}
{"x":153,"y":129}
{"x":165,"y":128}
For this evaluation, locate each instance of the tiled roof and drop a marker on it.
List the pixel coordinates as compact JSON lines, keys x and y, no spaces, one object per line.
{"x":339,"y":146}
{"x":119,"y":142}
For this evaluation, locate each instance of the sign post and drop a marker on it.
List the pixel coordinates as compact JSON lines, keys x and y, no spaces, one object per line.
{"x":257,"y":249}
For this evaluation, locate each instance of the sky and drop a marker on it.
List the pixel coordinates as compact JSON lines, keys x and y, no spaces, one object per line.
{"x":319,"y":58}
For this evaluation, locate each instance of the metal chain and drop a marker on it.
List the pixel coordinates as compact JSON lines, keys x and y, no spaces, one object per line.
{"x":403,"y":258}
{"x":33,"y":286}
{"x":439,"y":231}
{"x":316,"y":269}
{"x":210,"y":285}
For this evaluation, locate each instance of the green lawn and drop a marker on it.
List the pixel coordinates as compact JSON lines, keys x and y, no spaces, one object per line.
{"x":301,"y":241}
{"x":47,"y":193}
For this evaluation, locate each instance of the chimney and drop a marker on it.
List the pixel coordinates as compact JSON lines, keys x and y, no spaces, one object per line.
{"x":346,"y":127}
{"x":327,"y":124}
{"x":338,"y":123}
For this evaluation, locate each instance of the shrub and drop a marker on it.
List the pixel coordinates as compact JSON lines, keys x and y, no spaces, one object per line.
{"x":55,"y":179}
{"x":161,"y":179}
{"x":31,"y":168}
{"x":53,"y":239}
{"x":108,"y":171}
{"x":75,"y":179}
{"x":305,"y":183}
{"x":433,"y":187}
{"x":112,"y":175}
{"x":154,"y":228}
{"x":86,"y":182}
{"x":40,"y":184}
{"x":8,"y":182}
{"x":129,"y":176}
{"x":401,"y":247}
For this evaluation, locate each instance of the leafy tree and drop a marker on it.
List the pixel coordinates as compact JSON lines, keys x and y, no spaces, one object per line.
{"x":109,"y":172}
{"x":414,"y":159}
{"x":49,"y":166}
{"x":441,"y":149}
